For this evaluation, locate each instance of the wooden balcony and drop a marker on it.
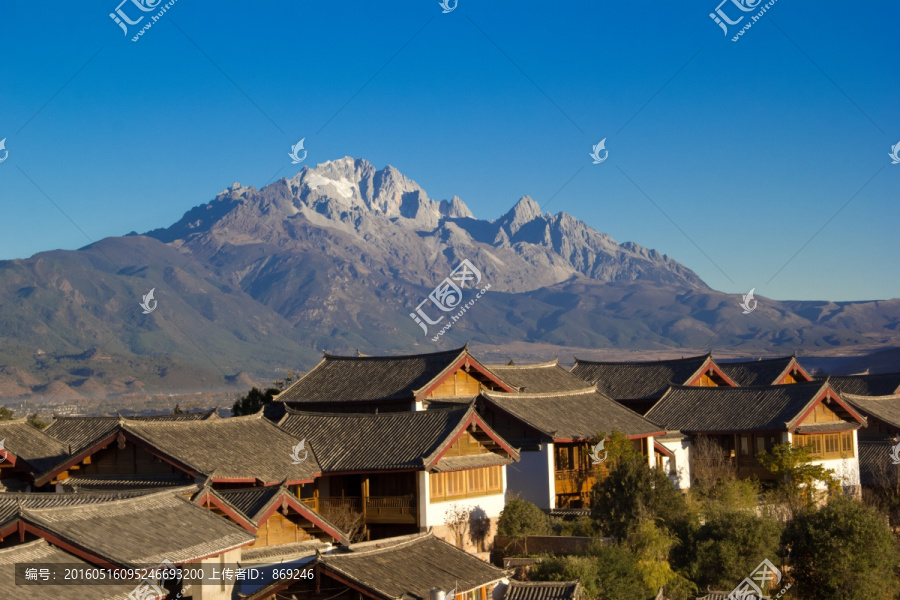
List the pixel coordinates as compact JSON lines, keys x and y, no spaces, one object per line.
{"x":573,"y":487}
{"x":376,"y":509}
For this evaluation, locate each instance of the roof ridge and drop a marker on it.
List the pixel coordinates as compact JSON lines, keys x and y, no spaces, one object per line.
{"x":553,"y":394}
{"x":800,"y":384}
{"x":395,"y":356}
{"x":117,"y":501}
{"x":754,"y":361}
{"x":643,"y":362}
{"x":371,"y":547}
{"x":549,"y":363}
{"x":870,"y":398}
{"x":860,"y":375}
{"x":23,"y":546}
{"x":346,"y":415}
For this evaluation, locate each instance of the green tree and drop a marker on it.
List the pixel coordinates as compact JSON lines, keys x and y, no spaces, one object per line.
{"x":726,"y":496}
{"x":607,"y":573}
{"x":728,"y":547}
{"x":34,"y":421}
{"x":796,"y":477}
{"x":253,"y":401}
{"x":843,"y":551}
{"x":618,"y":448}
{"x":632,"y":492}
{"x":521,"y":518}
{"x":652,"y":545}
{"x":6,"y":414}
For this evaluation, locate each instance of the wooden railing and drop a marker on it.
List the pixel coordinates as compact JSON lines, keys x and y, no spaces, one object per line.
{"x":573,"y":487}
{"x":384,"y":509}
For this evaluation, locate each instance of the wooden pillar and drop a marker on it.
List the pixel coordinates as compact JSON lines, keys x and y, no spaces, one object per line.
{"x":365,"y":495}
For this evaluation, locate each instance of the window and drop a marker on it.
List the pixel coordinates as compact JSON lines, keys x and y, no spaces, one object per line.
{"x":847,"y":443}
{"x":461,"y":484}
{"x":827,"y":445}
{"x":745,"y":445}
{"x":565,"y":459}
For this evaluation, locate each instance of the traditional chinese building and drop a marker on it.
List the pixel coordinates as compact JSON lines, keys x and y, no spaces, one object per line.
{"x":638,"y":385}
{"x":39,"y":552}
{"x":765,"y":371}
{"x":538,"y":378}
{"x":233,"y":452}
{"x":879,"y":384}
{"x":393,"y":569}
{"x":748,"y":420}
{"x":403,"y":471}
{"x":556,"y":432}
{"x":273,"y":514}
{"x":26,"y":452}
{"x":387,"y":383}
{"x":140,"y":531}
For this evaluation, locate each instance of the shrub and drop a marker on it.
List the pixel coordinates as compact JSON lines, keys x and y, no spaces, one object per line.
{"x":633,"y":492}
{"x":521,"y":518}
{"x":842,"y":551}
{"x":728,"y":548}
{"x":608,"y":573}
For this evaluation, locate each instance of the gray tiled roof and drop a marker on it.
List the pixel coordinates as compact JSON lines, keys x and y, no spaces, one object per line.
{"x":883,"y":408}
{"x":370,"y":378}
{"x":282,"y":552}
{"x":881,"y":384}
{"x":243,"y":448}
{"x":875,"y":464}
{"x":253,"y":503}
{"x":756,"y":372}
{"x":542,"y":590}
{"x":30,"y":444}
{"x":722,"y":409}
{"x":827,"y":427}
{"x":578,"y":414}
{"x":410,"y":567}
{"x":10,"y":501}
{"x":638,"y":380}
{"x":100,"y":483}
{"x":144,"y":530}
{"x":474,"y":461}
{"x":81,"y":432}
{"x":537,"y":378}
{"x":40,"y":552}
{"x":250,"y":502}
{"x":372,"y":442}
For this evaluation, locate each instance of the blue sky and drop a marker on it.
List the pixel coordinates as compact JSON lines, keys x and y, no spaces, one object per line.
{"x":728,"y":156}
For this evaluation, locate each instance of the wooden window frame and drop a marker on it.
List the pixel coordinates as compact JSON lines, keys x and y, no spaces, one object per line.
{"x":491,"y":481}
{"x":843,"y":444}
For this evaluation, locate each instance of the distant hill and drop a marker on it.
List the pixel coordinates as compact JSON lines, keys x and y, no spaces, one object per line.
{"x":336,"y":258}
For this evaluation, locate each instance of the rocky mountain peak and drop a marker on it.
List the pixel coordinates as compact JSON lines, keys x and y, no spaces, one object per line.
{"x":455,"y":208}
{"x":524,"y":212}
{"x":373,"y":213}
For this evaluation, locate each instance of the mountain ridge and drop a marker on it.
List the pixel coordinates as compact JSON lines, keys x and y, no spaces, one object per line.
{"x":336,"y":257}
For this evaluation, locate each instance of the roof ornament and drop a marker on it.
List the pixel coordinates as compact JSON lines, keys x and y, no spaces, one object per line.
{"x":120,"y":439}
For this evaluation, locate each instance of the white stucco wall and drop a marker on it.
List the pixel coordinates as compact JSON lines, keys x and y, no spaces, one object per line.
{"x":532,"y":478}
{"x":435,"y":514}
{"x":845,"y":469}
{"x":221,"y":589}
{"x":681,"y":478}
